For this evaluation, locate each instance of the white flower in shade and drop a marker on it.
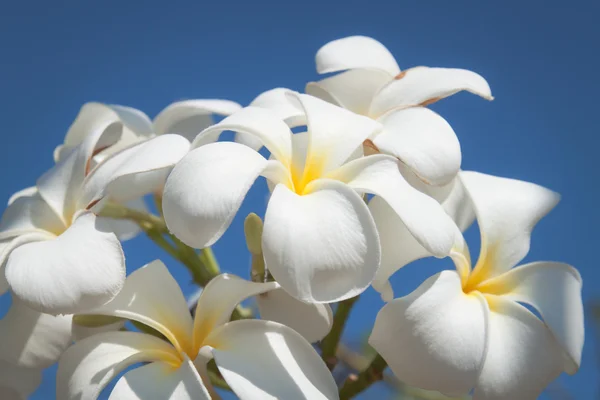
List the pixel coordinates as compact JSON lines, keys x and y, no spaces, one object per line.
{"x":186,"y":118}
{"x":58,"y":257}
{"x":319,"y":239}
{"x":370,"y":83}
{"x":258,"y":359}
{"x":468,"y":329}
{"x":18,"y":383}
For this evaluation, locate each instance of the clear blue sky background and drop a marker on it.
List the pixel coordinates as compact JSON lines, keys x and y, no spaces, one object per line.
{"x":540,"y":58}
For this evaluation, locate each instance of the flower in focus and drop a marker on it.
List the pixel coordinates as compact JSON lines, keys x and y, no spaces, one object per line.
{"x":258,"y":359}
{"x":58,"y":257}
{"x":372,"y":84}
{"x":469,"y":329}
{"x":319,"y":239}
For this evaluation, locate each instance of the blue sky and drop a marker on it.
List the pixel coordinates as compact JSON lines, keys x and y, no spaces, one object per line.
{"x":540,"y":58}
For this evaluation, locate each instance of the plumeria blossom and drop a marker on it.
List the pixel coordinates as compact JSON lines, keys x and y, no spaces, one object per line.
{"x":258,"y":359}
{"x":59,"y":257}
{"x":370,"y":83}
{"x":319,"y":240}
{"x":468,"y":329}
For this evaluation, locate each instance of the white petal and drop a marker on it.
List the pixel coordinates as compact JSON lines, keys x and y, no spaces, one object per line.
{"x":261,"y":123}
{"x":422,"y":215}
{"x":60,"y":186}
{"x":135,"y":171}
{"x":8,"y":245}
{"x":355,"y":52}
{"x":161,"y":381}
{"x":507,"y":210}
{"x":80,"y":332}
{"x":89,"y":365}
{"x":312,"y":320}
{"x":153,"y":297}
{"x":290,"y":368}
{"x":17,"y":383}
{"x":80,"y":269}
{"x":554,"y":289}
{"x":124,"y":229}
{"x":423,"y":141}
{"x":321,"y":247}
{"x":218,"y":300}
{"x":353,"y":90}
{"x":190,"y":117}
{"x":33,"y":339}
{"x":434,"y":338}
{"x":522,"y":356}
{"x":27,"y":213}
{"x":424,"y":85}
{"x":334,"y":133}
{"x":27,"y":192}
{"x":207,"y":187}
{"x":398,"y":246}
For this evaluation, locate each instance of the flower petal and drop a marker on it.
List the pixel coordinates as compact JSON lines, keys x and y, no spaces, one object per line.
{"x":124,"y":229}
{"x":311,"y":320}
{"x":218,"y":300}
{"x":18,"y":383}
{"x":434,"y":338}
{"x":355,"y":52}
{"x":29,"y":213}
{"x":80,"y":269}
{"x":135,"y":171}
{"x":261,"y":123}
{"x":554,"y":289}
{"x":507,"y":210}
{"x":290,"y":366}
{"x":89,"y":365}
{"x":422,"y":215}
{"x":423,"y":141}
{"x":190,"y":117}
{"x":353,"y":90}
{"x":321,"y":247}
{"x":160,"y":381}
{"x":152,"y":296}
{"x":207,"y":187}
{"x":32,"y":339}
{"x":522,"y":356}
{"x":334,"y":133}
{"x":423,"y":85}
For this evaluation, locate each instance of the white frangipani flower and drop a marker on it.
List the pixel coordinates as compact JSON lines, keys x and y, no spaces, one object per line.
{"x":371,"y":84}
{"x":258,"y":359}
{"x":467,"y":329}
{"x":58,"y":257}
{"x":319,"y":240}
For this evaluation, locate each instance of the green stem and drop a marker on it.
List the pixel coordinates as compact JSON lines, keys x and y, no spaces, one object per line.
{"x":356,"y":384}
{"x":116,"y":211}
{"x":330,"y":343}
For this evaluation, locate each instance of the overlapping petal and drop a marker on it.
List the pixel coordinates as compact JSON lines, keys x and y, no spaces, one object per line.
{"x":206,"y":188}
{"x":151,"y":296}
{"x":522,"y":356}
{"x":82,"y":268}
{"x":554,"y":289}
{"x":353,"y":90}
{"x":422,"y":215}
{"x":29,"y":213}
{"x":434,"y":338}
{"x":161,"y":381}
{"x":423,"y":141}
{"x":88,"y":366}
{"x":355,"y":52}
{"x":311,"y":320}
{"x":424,"y":85}
{"x":507,"y":210}
{"x":321,"y":247}
{"x":32,"y":339}
{"x":190,"y":117}
{"x":290,"y":368}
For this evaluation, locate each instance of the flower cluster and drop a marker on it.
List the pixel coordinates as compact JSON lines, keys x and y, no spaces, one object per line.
{"x":363,"y":179}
